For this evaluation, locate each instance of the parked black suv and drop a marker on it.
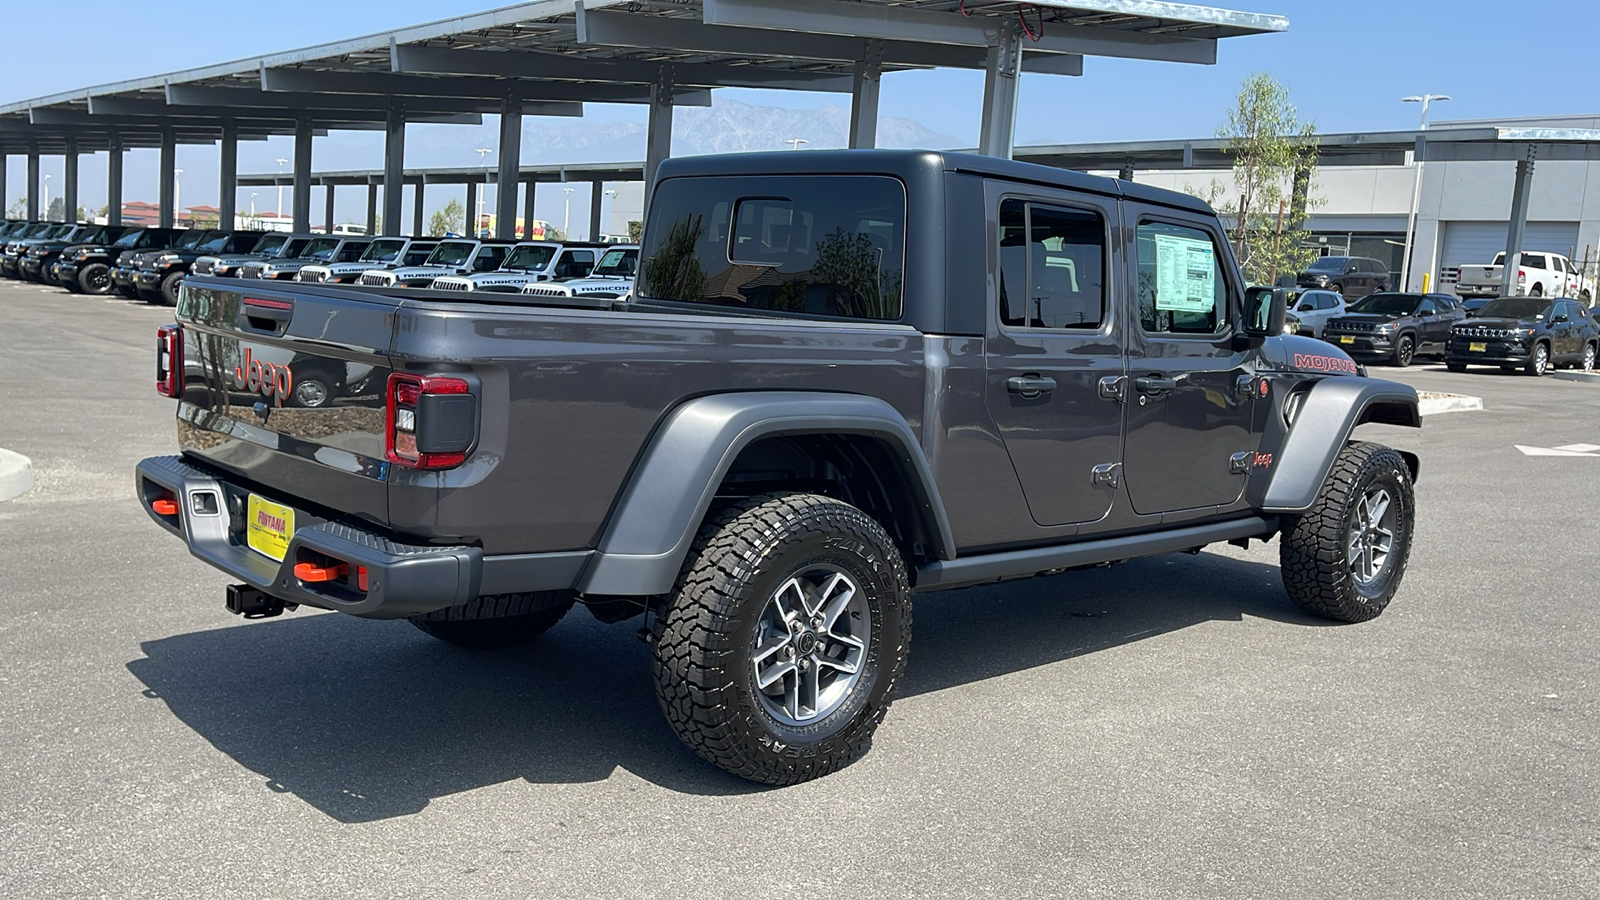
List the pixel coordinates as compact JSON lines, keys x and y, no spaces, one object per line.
{"x":1530,"y":333}
{"x":1394,"y":327}
{"x":86,"y":268}
{"x":1352,"y":276}
{"x":158,"y":276}
{"x":35,"y":264}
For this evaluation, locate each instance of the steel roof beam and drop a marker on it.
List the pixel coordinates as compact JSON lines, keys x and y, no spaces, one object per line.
{"x":615,"y":29}
{"x":128,"y":107}
{"x":389,"y":83}
{"x":930,"y":26}
{"x":331,"y":104}
{"x":199,"y":118}
{"x":442,"y":61}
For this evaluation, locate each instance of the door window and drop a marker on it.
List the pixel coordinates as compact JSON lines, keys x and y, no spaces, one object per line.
{"x":1052,"y":267}
{"x":490,"y":258}
{"x":1427,"y":308}
{"x":1181,"y":286}
{"x":1533,"y":260}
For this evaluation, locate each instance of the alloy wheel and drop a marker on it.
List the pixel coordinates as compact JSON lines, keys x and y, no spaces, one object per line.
{"x":810,"y":645}
{"x":1371,"y":535}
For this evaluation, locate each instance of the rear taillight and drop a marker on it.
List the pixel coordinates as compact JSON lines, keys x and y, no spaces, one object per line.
{"x":432,"y":421}
{"x":169,"y":360}
{"x":1521,"y":276}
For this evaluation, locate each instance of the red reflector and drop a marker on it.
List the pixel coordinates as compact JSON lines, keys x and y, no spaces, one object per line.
{"x":264,"y":303}
{"x":361,"y":577}
{"x":312,"y":572}
{"x":164,"y":507}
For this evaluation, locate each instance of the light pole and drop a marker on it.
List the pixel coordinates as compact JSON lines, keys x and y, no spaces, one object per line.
{"x":279,"y":182}
{"x":177,"y":196}
{"x":795,"y":143}
{"x":611,"y":192}
{"x":47,"y":198}
{"x":566,"y":215}
{"x":483,"y":160}
{"x":253,"y":204}
{"x":1416,"y":191}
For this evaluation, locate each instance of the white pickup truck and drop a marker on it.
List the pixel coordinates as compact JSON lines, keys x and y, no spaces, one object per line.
{"x":1541,"y":274}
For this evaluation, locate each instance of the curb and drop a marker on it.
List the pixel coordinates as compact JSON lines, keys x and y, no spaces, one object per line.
{"x":1432,"y":403}
{"x":1581,"y":377}
{"x":16,"y":474}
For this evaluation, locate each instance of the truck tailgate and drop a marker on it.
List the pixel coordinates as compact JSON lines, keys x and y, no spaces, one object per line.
{"x":286,"y":390}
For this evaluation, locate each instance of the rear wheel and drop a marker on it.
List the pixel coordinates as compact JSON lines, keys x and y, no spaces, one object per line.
{"x":1344,"y":558}
{"x":1538,"y":360}
{"x":503,"y":620}
{"x":1538,"y":291}
{"x":781,"y":645}
{"x":1337,"y":289}
{"x":95,"y":278}
{"x":1588,"y":357}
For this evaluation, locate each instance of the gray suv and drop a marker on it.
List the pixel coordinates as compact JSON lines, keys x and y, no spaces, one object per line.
{"x":1353,"y":276}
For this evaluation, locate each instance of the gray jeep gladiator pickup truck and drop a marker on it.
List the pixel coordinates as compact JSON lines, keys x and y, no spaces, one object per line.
{"x":843,"y":378}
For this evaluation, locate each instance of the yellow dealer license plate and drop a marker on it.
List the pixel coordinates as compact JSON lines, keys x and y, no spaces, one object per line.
{"x":1476,"y":347}
{"x":270,"y":528}
{"x":1346,"y":339}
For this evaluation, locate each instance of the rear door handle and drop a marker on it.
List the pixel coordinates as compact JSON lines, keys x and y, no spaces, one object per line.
{"x":1155,"y":384}
{"x":1030,"y":385}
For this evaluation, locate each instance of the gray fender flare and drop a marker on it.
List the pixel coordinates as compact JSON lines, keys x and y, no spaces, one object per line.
{"x":1329,"y":414}
{"x":675,"y":479}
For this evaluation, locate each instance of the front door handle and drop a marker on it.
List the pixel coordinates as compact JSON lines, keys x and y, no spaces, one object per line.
{"x":1030,"y":385}
{"x":1155,"y":384}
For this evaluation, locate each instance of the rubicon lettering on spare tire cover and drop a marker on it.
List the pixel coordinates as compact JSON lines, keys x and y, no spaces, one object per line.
{"x":271,"y":380}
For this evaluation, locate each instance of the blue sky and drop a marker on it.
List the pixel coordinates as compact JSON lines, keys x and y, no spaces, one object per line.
{"x":1347,"y":64}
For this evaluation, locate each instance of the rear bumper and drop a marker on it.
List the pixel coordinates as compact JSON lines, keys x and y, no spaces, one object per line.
{"x":1476,"y":290}
{"x":402,"y":579}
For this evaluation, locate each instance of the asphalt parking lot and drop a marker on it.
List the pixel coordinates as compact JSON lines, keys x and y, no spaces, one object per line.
{"x":1168,"y":728}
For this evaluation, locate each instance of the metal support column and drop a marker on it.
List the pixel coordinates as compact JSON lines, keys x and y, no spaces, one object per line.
{"x":997,"y":136}
{"x":394,"y":172}
{"x":372,"y":208}
{"x":658,"y":135}
{"x":1519,"y":223}
{"x":69,"y":187}
{"x":33,"y":184}
{"x":302,"y":175}
{"x":864,"y":97}
{"x":5,"y":159}
{"x":527,"y":210}
{"x":416,"y":212}
{"x":327,"y":212}
{"x":114,"y":182}
{"x":169,"y":180}
{"x":505,"y":195}
{"x":597,"y":192}
{"x":228,"y":178}
{"x":1126,"y":172}
{"x":469,"y":222}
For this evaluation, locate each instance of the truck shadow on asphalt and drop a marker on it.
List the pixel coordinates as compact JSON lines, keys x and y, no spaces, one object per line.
{"x":372,"y":720}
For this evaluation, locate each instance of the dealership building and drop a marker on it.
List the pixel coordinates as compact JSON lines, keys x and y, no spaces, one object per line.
{"x":1463,"y":208}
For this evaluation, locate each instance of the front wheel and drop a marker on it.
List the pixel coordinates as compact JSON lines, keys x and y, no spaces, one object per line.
{"x":1344,"y":558}
{"x":169,"y":288}
{"x":1405,"y":349}
{"x":95,"y":278}
{"x":781,"y":645}
{"x":1588,"y":357}
{"x":1538,"y":361}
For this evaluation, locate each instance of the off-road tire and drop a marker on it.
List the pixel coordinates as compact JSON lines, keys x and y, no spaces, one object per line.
{"x":706,"y":638}
{"x":169,"y":288}
{"x":1313,"y":553}
{"x":1539,"y":360}
{"x":1405,"y":350}
{"x":502,"y":620}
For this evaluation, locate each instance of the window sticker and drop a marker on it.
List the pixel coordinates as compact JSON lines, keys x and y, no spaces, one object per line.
{"x":1186,"y":274}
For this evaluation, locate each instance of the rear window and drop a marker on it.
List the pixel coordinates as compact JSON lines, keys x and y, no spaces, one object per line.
{"x":823,"y":245}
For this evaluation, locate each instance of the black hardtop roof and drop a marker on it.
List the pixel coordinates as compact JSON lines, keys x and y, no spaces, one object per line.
{"x":910,"y":164}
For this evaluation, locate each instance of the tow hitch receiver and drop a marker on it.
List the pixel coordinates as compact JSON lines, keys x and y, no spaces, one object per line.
{"x":244,"y":600}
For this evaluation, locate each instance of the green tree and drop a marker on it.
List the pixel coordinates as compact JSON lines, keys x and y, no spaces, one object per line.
{"x":56,"y":210}
{"x":1274,"y":159}
{"x":17,"y":209}
{"x":449,"y":220}
{"x":635,"y":231}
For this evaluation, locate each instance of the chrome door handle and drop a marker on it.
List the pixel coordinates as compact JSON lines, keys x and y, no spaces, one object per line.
{"x":1030,"y":385}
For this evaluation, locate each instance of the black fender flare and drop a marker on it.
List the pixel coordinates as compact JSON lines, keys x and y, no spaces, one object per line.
{"x":672,"y":484}
{"x":1330,"y":412}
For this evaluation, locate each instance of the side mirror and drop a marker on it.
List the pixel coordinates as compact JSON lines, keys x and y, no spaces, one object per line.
{"x":1263,"y":312}
{"x":1558,"y":317}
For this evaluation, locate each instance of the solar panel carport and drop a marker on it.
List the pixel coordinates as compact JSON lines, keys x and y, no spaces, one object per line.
{"x":550,"y":56}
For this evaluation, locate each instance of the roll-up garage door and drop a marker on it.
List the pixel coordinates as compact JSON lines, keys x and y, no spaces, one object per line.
{"x":1476,"y":243}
